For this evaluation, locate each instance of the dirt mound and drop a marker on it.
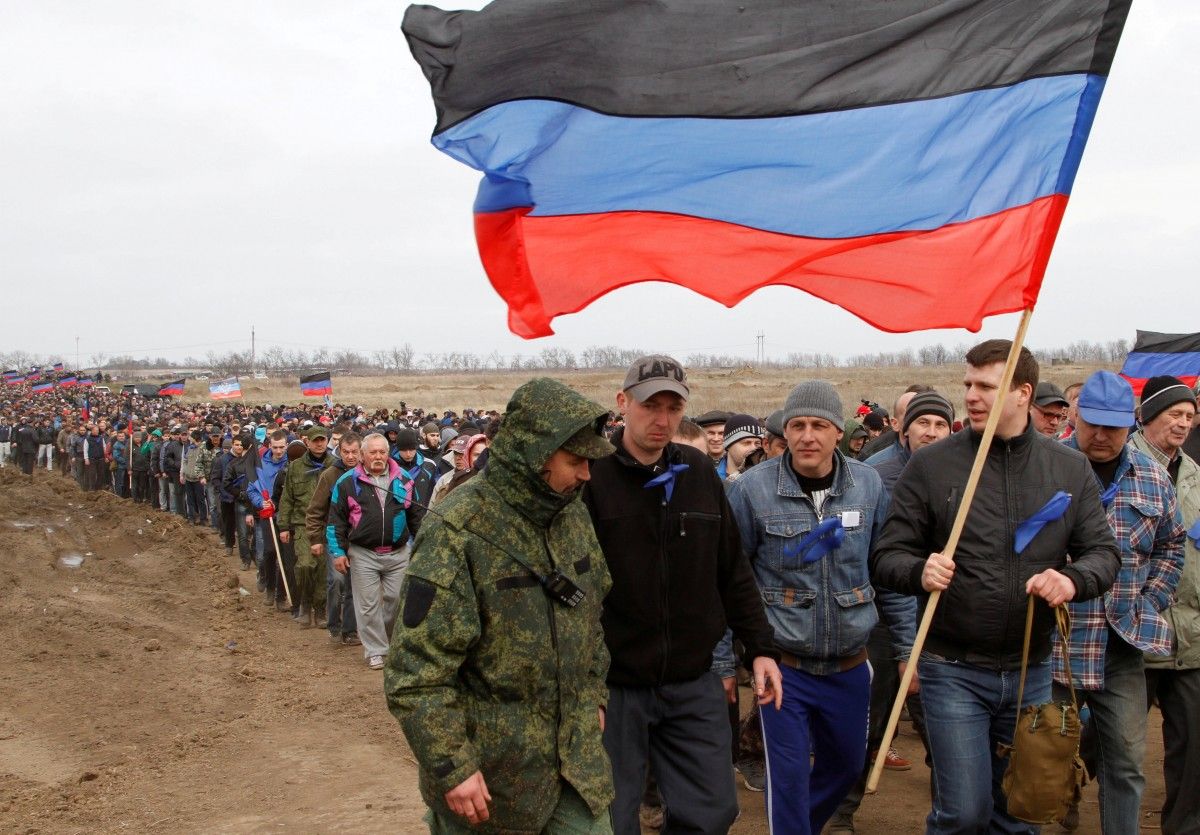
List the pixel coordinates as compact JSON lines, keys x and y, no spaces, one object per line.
{"x":145,"y":690}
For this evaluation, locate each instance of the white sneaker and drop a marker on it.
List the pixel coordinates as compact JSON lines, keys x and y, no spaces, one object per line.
{"x":375,"y":662}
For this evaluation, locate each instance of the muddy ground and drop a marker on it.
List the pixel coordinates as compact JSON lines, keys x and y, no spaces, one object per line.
{"x":143,"y":691}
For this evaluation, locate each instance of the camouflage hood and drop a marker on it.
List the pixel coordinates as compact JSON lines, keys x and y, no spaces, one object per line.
{"x":539,"y":419}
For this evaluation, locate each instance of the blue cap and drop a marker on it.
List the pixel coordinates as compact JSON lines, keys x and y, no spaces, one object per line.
{"x":1106,"y":400}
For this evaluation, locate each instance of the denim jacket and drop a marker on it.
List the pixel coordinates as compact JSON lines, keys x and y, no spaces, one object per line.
{"x":821,"y":611}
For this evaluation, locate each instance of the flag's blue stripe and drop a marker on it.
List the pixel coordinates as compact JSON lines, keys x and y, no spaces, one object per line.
{"x":315,"y":385}
{"x":898,"y":167}
{"x":1152,"y":365}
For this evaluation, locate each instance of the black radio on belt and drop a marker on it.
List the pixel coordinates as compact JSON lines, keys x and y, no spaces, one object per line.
{"x":560,"y":587}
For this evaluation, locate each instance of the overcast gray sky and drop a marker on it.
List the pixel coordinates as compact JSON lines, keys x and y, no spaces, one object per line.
{"x":175,"y":172}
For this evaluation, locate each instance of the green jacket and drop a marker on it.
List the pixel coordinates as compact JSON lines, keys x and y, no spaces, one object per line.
{"x":1184,"y":614}
{"x":300,"y":482}
{"x":485,"y":671}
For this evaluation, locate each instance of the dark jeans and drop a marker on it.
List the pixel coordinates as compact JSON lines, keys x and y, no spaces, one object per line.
{"x":682,"y":731}
{"x":339,"y":601}
{"x":233,"y":527}
{"x":26,"y":460}
{"x":1118,"y":728}
{"x":268,"y":565}
{"x":1177,"y":694}
{"x":195,"y":502}
{"x":141,"y":485}
{"x":120,"y":482}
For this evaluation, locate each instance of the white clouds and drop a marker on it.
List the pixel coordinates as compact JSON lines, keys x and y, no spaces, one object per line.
{"x":222,"y":148}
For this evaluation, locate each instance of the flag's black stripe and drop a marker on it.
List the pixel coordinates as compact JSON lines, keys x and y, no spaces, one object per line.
{"x":750,"y":58}
{"x":1152,"y":342}
{"x":315,"y":378}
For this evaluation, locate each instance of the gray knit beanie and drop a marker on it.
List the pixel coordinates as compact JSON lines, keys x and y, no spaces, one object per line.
{"x":813,"y":398}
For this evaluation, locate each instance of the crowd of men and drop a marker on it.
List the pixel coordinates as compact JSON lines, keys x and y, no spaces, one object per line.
{"x":563,"y":597}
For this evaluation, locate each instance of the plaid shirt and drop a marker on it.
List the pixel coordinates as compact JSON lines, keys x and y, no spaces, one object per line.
{"x":1145,"y":519}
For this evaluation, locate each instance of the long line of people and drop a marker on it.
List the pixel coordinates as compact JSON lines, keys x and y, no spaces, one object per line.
{"x":323,"y":505}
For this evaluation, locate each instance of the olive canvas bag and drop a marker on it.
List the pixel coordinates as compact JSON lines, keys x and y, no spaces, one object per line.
{"x":1045,"y":773}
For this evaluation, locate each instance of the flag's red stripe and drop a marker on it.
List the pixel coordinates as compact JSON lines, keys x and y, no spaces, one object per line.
{"x":899,"y":281}
{"x":1138,"y":382}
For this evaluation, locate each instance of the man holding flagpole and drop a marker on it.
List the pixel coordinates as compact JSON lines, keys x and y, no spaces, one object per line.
{"x":1015,"y":543}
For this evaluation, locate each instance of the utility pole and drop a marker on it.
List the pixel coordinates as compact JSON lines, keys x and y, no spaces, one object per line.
{"x":252,"y":350}
{"x":760,"y":347}
{"x":77,"y":353}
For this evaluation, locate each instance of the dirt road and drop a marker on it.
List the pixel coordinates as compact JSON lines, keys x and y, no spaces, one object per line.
{"x":143,"y":691}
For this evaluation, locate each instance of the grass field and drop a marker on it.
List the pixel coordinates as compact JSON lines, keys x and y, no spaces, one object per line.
{"x":753,"y":391}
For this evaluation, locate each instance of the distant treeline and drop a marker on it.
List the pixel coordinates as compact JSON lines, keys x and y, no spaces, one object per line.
{"x":405,"y":359}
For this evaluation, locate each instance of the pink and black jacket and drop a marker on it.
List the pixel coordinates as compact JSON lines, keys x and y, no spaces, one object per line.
{"x":357,"y":514}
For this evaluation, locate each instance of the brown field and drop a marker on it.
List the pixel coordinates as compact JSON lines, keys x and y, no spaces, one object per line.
{"x":749,"y":390}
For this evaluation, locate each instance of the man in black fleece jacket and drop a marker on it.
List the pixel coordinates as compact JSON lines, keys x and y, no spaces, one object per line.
{"x":679,"y":577}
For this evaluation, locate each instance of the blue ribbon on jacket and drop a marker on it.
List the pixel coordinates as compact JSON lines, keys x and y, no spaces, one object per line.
{"x":822,"y":539}
{"x":1051,"y":510}
{"x":1194,"y":534}
{"x":1106,"y":498}
{"x":667,"y":479}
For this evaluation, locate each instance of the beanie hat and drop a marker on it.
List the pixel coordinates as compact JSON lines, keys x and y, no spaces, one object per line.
{"x":813,"y":398}
{"x":875,"y":420}
{"x":741,"y":426}
{"x":928,"y":403}
{"x":430,"y":427}
{"x":1161,"y":393}
{"x":407,"y":439}
{"x":775,"y":423}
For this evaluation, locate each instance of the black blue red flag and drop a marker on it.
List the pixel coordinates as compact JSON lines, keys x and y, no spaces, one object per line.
{"x":316,"y":385}
{"x":907,"y":160}
{"x":1155,"y":354}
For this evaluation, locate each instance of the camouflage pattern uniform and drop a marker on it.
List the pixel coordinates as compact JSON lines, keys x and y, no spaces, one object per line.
{"x":486,"y":671}
{"x":300,"y":482}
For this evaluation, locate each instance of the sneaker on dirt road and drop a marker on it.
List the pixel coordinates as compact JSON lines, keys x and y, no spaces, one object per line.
{"x":754,"y":775}
{"x":375,"y":662}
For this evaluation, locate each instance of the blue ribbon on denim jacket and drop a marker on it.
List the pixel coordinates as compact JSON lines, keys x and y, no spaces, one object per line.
{"x":822,"y":539}
{"x":1194,"y":534}
{"x":667,"y":479}
{"x":1051,"y":510}
{"x":1106,"y":498}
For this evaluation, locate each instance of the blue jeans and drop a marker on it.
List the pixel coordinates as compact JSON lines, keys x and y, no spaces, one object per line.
{"x":214,"y":506}
{"x":825,"y":718}
{"x":969,"y":710}
{"x":1118,"y":726}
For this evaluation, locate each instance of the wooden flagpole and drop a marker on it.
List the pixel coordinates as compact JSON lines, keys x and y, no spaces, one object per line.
{"x":989,"y":431}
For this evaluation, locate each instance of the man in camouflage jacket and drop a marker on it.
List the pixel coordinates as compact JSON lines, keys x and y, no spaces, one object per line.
{"x":499,"y":686}
{"x":300,"y":482}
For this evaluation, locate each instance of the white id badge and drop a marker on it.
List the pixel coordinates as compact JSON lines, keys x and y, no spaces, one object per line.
{"x":851,"y":518}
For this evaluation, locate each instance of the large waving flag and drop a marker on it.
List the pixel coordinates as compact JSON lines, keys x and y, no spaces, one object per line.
{"x":1155,"y":354}
{"x":908,"y":160}
{"x":68,"y":381}
{"x":316,"y":385}
{"x":171,"y":389}
{"x":40,"y":388}
{"x":86,"y":381}
{"x":225,"y":389}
